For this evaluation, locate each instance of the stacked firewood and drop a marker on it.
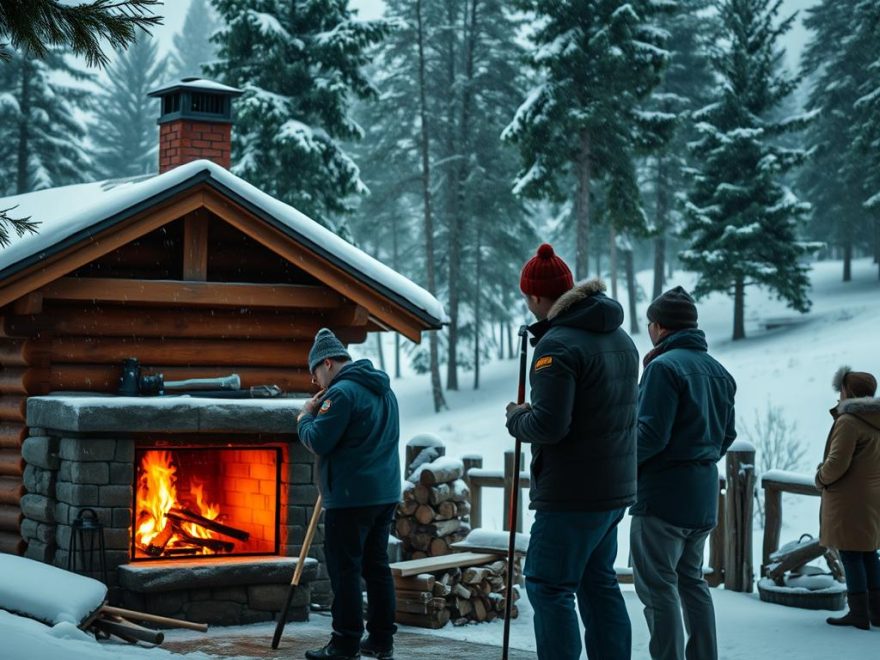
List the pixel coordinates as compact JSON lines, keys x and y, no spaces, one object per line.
{"x":460,"y":595}
{"x":435,"y":510}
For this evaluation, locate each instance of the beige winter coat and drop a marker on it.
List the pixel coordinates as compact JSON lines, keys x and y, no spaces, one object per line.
{"x":849,"y":478}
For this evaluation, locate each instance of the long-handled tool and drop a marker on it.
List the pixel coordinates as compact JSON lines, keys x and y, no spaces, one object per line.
{"x":514,"y":495}
{"x":297,"y":573}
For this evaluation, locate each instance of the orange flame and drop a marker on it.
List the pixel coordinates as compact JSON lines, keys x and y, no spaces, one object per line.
{"x":157,"y":495}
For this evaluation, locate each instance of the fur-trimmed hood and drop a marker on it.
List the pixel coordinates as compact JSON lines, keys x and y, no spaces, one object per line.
{"x":587,"y":307}
{"x":863,"y":406}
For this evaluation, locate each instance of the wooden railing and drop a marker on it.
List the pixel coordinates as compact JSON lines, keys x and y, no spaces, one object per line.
{"x":730,"y":557}
{"x":775,"y":483}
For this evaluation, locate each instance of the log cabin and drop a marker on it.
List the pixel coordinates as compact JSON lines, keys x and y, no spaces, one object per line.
{"x":193,"y":271}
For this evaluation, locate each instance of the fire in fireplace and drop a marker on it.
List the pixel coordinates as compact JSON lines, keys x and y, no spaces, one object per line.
{"x":205,"y":501}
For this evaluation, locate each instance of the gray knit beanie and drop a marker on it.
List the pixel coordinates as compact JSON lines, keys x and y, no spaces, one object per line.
{"x":674,"y":309}
{"x":326,"y":346}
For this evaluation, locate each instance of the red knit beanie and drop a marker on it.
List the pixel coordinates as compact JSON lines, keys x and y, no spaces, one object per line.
{"x":545,"y":275}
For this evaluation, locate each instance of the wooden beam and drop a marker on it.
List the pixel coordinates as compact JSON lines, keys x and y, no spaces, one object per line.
{"x":11,"y":490}
{"x":175,"y":351}
{"x":147,"y":322}
{"x":31,"y":303}
{"x":193,"y":294}
{"x":348,"y":316}
{"x":11,"y":463}
{"x":12,"y":543}
{"x":280,"y":243}
{"x":195,"y":246}
{"x":434,"y":564}
{"x":105,"y":378}
{"x":12,"y":434}
{"x":59,"y":265}
{"x":12,"y":408}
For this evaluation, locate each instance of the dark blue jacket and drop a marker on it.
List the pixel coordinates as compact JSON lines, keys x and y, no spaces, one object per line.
{"x":582,"y":422}
{"x":686,"y":424}
{"x":355,"y":435}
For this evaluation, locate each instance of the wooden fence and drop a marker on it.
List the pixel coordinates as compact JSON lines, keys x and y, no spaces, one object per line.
{"x":775,"y":483}
{"x":730,"y":555}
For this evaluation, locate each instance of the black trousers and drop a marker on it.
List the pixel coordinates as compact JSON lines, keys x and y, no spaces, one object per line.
{"x":862,"y":570}
{"x":356,"y":546}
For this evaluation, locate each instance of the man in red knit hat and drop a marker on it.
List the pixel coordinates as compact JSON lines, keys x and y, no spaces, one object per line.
{"x":581,"y":424}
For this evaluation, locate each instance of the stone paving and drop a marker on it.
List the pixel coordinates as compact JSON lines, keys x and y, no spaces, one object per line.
{"x":298,"y":639}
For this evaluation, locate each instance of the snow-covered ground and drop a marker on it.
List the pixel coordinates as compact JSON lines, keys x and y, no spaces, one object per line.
{"x":789,"y":368}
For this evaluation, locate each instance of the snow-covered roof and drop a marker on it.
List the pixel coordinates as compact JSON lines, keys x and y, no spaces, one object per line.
{"x":196,"y":83}
{"x":72,"y":214}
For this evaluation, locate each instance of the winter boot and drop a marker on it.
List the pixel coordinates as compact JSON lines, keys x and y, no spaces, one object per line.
{"x":371,"y":649}
{"x":858,"y":612}
{"x":874,"y":606}
{"x":331,"y":652}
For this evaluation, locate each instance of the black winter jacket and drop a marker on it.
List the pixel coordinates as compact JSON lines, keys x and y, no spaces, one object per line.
{"x":582,"y":421}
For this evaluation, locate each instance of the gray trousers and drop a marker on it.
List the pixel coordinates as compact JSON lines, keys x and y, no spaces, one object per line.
{"x":668,"y":574}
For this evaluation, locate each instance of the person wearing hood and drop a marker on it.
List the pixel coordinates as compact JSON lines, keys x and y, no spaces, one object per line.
{"x":849,"y":479}
{"x":353,"y":426}
{"x":581,"y":426}
{"x":686,"y":424}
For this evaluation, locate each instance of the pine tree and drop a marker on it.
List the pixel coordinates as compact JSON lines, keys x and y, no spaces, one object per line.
{"x":38,"y":26}
{"x":41,"y":135}
{"x":837,"y":60}
{"x":193,"y":48}
{"x":299,"y":65}
{"x":124,"y":133}
{"x":741,"y":220}
{"x":867,"y":139}
{"x":687,"y":85}
{"x":599,"y":61}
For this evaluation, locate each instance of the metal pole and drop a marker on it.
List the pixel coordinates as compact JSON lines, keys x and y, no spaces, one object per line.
{"x":514,"y":493}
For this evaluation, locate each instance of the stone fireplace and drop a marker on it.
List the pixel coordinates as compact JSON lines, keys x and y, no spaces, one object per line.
{"x":204,"y":502}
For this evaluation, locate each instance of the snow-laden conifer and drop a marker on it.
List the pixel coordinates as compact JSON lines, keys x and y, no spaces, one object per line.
{"x":741,"y":219}
{"x":300,"y":65}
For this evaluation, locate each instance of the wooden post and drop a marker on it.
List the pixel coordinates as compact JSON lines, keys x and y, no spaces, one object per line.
{"x":772,"y":523}
{"x":415,"y":446}
{"x":738,"y":569}
{"x":509,"y":459}
{"x":717,"y":539}
{"x":476,"y":515}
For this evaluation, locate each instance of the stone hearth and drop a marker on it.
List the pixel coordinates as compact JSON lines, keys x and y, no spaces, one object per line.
{"x":80,"y":453}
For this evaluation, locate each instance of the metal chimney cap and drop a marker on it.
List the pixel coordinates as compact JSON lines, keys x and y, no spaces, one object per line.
{"x":197,"y":85}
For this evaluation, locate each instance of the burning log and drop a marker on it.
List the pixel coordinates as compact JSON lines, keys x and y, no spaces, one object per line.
{"x":157,"y":546}
{"x":215,"y":545}
{"x":185,"y":515}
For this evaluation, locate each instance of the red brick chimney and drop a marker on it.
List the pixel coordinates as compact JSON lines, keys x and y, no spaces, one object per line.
{"x":195,"y":122}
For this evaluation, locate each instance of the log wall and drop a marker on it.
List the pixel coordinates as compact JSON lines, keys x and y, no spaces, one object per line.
{"x":79,"y":346}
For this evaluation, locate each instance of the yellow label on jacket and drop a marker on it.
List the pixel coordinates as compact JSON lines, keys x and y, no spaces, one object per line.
{"x":545,"y":361}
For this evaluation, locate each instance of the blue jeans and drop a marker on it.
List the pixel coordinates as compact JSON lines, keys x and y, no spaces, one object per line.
{"x":573,"y":553}
{"x":862,"y":570}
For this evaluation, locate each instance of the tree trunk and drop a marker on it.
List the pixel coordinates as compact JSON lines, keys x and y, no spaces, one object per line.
{"x":612,"y":259}
{"x":847,"y":259}
{"x":380,"y":351}
{"x":24,"y":104}
{"x":662,"y":221}
{"x":510,"y":354}
{"x":453,"y":196}
{"x":436,"y":387}
{"x":877,"y":244}
{"x":739,"y":309}
{"x":478,"y":321}
{"x":501,"y":340}
{"x":631,"y":291}
{"x":395,"y":260}
{"x":582,"y":208}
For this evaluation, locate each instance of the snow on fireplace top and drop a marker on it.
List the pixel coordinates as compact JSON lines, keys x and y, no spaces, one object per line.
{"x":73,"y":214}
